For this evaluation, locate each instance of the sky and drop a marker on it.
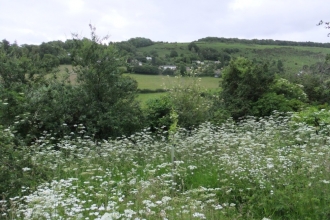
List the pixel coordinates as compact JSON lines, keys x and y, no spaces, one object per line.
{"x":37,"y":21}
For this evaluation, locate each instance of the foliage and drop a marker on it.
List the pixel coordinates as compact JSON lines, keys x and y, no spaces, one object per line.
{"x":316,"y":82}
{"x":20,"y":71}
{"x":189,"y":102}
{"x":13,"y":66}
{"x":243,"y":84}
{"x":317,"y":116}
{"x":140,"y":42}
{"x":146,"y":69}
{"x":158,"y":113}
{"x":288,"y":90}
{"x":16,"y":167}
{"x":173,"y":53}
{"x":266,"y":168}
{"x":272,"y":101}
{"x":125,"y":47}
{"x":210,"y":54}
{"x":193,"y":47}
{"x":187,"y":98}
{"x":49,"y":62}
{"x":168,"y":72}
{"x":106,"y":98}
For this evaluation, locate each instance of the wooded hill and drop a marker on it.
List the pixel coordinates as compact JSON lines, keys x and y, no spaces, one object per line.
{"x":292,"y":57}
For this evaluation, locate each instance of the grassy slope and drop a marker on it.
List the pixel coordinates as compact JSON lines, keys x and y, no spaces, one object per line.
{"x":294,"y":58}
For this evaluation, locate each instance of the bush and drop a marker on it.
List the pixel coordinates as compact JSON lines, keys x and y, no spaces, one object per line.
{"x":16,"y":167}
{"x":188,"y":101}
{"x":146,"y":69}
{"x":289,"y":90}
{"x":158,"y":113}
{"x":271,"y":102}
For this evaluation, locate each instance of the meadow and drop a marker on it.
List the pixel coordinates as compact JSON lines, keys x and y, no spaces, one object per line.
{"x":271,"y":168}
{"x":158,"y":82}
{"x":153,"y":86}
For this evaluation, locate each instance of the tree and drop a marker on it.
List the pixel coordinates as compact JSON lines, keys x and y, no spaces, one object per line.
{"x":141,"y":42}
{"x":50,"y":62}
{"x":326,"y":25}
{"x":243,"y":84}
{"x":193,"y":47}
{"x":174,"y":53}
{"x":22,"y":74}
{"x":107,"y":98}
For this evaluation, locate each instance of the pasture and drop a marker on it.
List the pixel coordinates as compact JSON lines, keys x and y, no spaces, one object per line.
{"x":154,"y":82}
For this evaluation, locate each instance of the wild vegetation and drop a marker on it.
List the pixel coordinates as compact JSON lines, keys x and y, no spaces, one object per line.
{"x":233,"y":135}
{"x":273,"y":168}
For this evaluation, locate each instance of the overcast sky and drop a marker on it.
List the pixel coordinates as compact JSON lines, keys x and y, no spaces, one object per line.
{"x":37,"y":21}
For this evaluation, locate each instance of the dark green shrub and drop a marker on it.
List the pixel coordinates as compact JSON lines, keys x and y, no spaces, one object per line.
{"x":271,"y":102}
{"x":16,"y":167}
{"x":158,"y":113}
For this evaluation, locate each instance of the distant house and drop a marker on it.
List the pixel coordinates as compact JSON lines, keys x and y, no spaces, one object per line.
{"x":172,"y":67}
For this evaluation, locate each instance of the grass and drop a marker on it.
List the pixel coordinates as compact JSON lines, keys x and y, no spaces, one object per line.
{"x":144,"y":97}
{"x":154,"y":82}
{"x":158,"y":82}
{"x":271,"y":168}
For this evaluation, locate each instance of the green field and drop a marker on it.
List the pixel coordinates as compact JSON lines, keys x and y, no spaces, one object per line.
{"x":154,"y":82}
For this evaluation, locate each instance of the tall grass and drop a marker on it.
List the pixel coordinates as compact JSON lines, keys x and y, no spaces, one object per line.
{"x":270,"y":168}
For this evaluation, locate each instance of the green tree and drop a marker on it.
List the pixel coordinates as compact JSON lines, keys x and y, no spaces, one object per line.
{"x":193,"y":47}
{"x":49,"y":62}
{"x":106,"y":96}
{"x":19,"y":73}
{"x":174,"y":53}
{"x":140,"y":42}
{"x":243,"y":84}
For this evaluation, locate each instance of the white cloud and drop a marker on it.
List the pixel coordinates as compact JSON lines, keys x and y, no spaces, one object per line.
{"x":37,"y":21}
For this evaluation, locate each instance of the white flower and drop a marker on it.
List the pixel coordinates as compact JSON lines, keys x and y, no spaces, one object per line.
{"x":26,"y":169}
{"x":199,"y":215}
{"x":111,"y":216}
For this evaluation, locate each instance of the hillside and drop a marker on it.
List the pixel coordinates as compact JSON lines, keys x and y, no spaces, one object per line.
{"x":294,"y":58}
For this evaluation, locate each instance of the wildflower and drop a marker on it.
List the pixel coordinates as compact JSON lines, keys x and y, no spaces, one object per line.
{"x":111,"y":216}
{"x":199,"y":215}
{"x":192,"y":167}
